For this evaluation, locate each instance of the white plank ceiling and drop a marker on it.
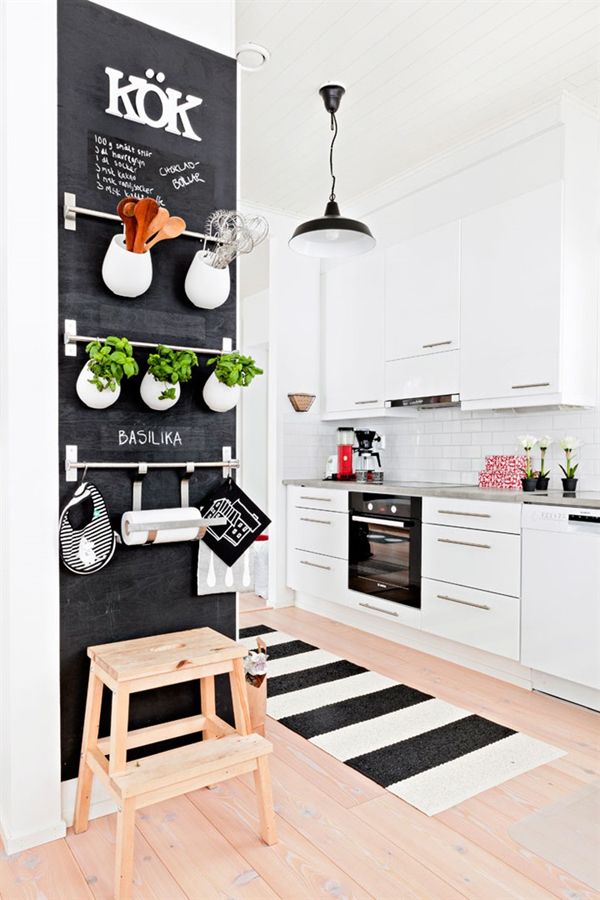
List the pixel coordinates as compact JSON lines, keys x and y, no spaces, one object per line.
{"x":421,"y":76}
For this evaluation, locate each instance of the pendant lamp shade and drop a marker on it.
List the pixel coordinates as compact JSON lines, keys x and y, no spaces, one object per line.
{"x":332,"y":235}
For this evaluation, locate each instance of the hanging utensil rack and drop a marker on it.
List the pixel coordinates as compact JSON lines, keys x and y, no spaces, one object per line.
{"x":71,"y":211}
{"x":72,"y":464}
{"x":71,"y":339}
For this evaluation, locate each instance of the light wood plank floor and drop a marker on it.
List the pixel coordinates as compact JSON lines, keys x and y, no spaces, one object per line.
{"x":340,"y":835}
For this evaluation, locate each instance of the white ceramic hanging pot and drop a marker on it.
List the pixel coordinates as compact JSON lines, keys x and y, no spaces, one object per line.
{"x":151,"y":389}
{"x":125,"y":273}
{"x":218,"y":396}
{"x":89,"y":393}
{"x":205,"y":286}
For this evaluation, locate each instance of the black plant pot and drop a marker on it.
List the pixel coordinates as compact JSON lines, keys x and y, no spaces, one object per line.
{"x":529,"y":484}
{"x":542,"y":484}
{"x":569,"y":485}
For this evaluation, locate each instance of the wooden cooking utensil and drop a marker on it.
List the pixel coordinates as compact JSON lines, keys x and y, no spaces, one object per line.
{"x":157,"y":222}
{"x":171,"y":229}
{"x":145,"y":210}
{"x":125,"y":209}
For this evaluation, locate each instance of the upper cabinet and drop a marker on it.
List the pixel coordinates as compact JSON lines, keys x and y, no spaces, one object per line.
{"x":353,"y":337}
{"x":511,"y":298}
{"x":422,"y":295}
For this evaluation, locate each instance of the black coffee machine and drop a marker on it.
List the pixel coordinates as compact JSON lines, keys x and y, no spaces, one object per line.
{"x":368,"y":466}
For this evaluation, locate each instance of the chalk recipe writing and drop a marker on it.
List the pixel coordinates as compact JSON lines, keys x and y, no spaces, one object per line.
{"x":120,"y":168}
{"x":143,"y":438}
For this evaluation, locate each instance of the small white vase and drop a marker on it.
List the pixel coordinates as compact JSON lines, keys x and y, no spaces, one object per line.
{"x":151,"y":389}
{"x":125,"y":273}
{"x":205,"y":286}
{"x":89,"y":393}
{"x":218,"y":396}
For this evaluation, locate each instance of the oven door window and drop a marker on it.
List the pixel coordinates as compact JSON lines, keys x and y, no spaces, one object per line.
{"x":382,"y":561}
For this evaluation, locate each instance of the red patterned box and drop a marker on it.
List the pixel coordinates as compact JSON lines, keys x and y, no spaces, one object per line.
{"x":503,"y":472}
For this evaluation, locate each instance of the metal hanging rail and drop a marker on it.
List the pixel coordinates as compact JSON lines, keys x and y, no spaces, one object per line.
{"x":71,"y":339}
{"x":71,"y":211}
{"x":73,"y":463}
{"x":220,"y":464}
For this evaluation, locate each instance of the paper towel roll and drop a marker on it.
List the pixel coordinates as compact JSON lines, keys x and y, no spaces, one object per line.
{"x":153,"y":519}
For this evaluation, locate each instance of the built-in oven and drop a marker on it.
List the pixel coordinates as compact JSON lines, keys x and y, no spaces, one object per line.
{"x":384,"y":557}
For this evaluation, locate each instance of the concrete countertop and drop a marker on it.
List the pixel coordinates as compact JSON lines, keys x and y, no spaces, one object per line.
{"x":590,"y":499}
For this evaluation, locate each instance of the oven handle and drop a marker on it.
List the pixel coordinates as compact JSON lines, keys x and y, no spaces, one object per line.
{"x":394,"y":523}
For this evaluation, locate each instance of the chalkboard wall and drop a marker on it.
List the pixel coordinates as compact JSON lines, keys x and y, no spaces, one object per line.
{"x":144,"y":590}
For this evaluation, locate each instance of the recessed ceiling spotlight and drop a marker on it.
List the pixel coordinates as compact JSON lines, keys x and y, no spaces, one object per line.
{"x":252,"y":56}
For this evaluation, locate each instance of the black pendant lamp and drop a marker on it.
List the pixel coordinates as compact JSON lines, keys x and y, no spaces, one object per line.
{"x":332,"y":235}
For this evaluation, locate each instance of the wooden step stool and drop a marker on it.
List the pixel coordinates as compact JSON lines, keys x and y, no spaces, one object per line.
{"x":225,"y":752}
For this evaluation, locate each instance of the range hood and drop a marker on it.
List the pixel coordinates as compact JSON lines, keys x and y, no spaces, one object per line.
{"x":437,"y":401}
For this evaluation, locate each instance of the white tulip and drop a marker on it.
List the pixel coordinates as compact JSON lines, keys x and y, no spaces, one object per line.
{"x":544,"y":442}
{"x":570,"y":443}
{"x":528,"y":441}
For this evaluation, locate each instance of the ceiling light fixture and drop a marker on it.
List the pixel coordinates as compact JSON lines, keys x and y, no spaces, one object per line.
{"x":332,"y":235}
{"x":251,"y":57}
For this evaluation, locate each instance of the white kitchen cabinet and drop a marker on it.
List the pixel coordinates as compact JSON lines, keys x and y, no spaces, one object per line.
{"x":422,"y":294}
{"x":320,"y":576}
{"x":524,"y":327}
{"x":422,"y":376}
{"x":486,"y":560}
{"x":353,"y":334}
{"x":484,"y":515}
{"x":477,"y":618}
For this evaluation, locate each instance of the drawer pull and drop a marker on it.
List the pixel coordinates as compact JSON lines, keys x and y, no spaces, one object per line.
{"x":318,"y":499}
{"x":436,"y":344}
{"x":305,"y":562}
{"x":463,"y":602}
{"x":364,"y":402}
{"x":518,"y":387}
{"x":379,"y":609}
{"x":316,"y":521}
{"x":464,"y":543}
{"x":455,"y":512}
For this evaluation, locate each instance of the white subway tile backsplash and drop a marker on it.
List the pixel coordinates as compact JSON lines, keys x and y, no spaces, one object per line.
{"x":449,"y":445}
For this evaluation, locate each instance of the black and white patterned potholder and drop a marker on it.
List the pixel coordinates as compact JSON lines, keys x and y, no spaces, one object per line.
{"x":244,"y":521}
{"x":87,"y":540}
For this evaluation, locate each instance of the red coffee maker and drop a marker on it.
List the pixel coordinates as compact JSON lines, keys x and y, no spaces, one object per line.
{"x":345,"y":444}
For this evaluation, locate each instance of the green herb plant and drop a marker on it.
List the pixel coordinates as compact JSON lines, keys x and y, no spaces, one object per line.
{"x":109,"y":361}
{"x":172,"y":366}
{"x":233,"y":368}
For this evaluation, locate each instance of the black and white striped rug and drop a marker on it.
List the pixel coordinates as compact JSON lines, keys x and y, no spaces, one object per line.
{"x":428,"y":752}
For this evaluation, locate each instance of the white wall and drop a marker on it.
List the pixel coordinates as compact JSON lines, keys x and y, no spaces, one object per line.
{"x":30,"y":791}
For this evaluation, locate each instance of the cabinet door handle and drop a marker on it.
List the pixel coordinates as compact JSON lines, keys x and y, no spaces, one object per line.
{"x":517,"y":387}
{"x":463,"y":543}
{"x":318,"y":499}
{"x":305,"y":562}
{"x":463,"y":602}
{"x":455,"y":512}
{"x":379,"y":609}
{"x":436,"y":344}
{"x":363,"y":402}
{"x":316,"y":521}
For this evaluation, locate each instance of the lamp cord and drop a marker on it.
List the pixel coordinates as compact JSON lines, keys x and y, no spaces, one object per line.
{"x":334,"y":128}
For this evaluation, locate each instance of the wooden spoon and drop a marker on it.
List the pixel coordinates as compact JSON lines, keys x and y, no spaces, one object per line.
{"x":171,"y":229}
{"x":145,"y":210}
{"x":125,"y":209}
{"x":157,"y":222}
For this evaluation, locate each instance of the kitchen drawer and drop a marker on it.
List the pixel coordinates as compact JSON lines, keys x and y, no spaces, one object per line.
{"x":318,"y":498}
{"x":384,"y":609}
{"x":477,"y":618}
{"x":318,"y":531}
{"x":484,"y":515}
{"x":479,"y":559}
{"x":320,"y":576}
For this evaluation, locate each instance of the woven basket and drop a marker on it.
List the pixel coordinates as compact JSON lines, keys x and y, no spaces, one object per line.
{"x":301,"y":402}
